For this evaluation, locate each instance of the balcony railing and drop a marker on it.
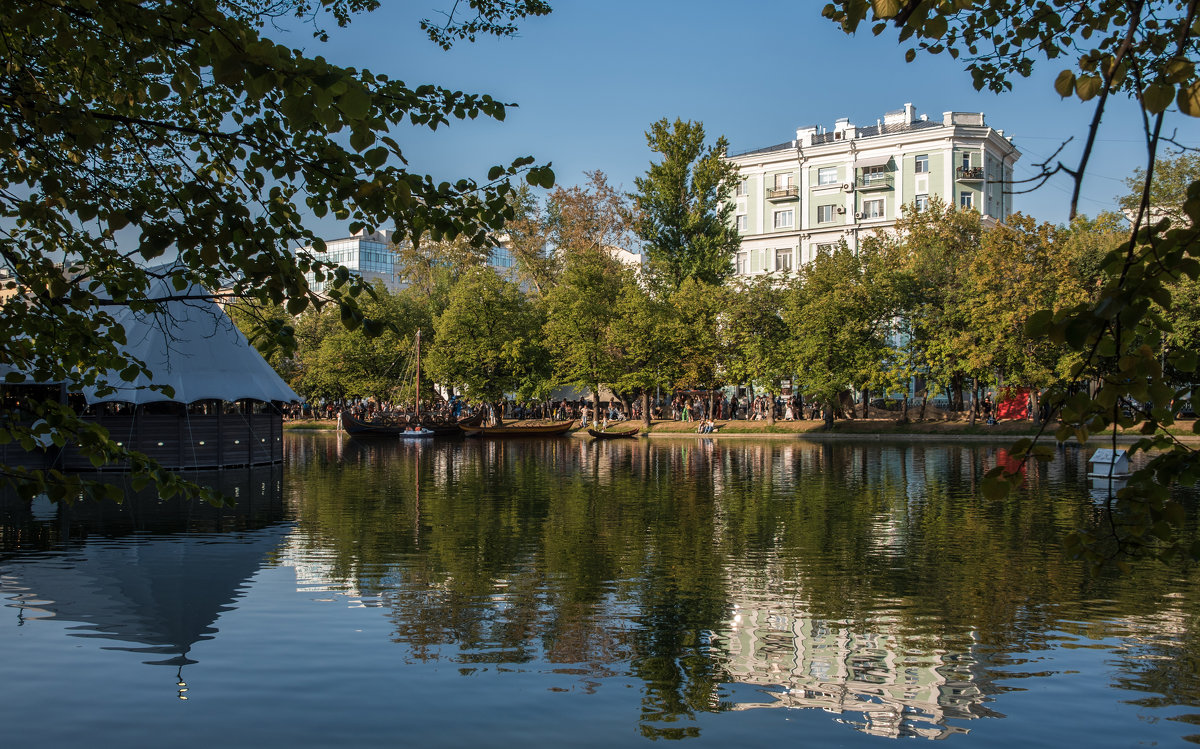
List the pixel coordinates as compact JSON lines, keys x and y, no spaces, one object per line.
{"x":875,"y":181}
{"x":970,"y":172}
{"x":783,"y":193}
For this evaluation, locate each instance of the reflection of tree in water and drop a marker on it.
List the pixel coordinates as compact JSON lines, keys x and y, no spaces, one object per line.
{"x":634,"y":557}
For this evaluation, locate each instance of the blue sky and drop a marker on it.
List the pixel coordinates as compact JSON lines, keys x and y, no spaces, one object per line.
{"x":591,"y":77}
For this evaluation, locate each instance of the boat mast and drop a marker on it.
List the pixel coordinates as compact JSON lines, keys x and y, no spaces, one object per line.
{"x":418,"y":395}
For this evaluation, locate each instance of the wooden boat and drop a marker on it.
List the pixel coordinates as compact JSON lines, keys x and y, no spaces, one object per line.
{"x":535,"y":430}
{"x":613,"y":435}
{"x":429,"y":426}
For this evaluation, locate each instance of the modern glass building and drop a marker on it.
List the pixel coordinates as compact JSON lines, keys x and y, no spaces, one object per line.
{"x":805,"y":196}
{"x":371,"y":256}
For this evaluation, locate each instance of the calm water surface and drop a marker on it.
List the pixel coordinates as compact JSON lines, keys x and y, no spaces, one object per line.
{"x":567,"y":593}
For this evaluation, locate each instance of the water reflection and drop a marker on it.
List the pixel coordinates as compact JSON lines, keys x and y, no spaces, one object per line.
{"x":864,"y":588}
{"x":867,"y":581}
{"x":151,"y":574}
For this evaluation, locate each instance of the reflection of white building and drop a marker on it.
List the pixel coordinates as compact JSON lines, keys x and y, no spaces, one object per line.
{"x":877,"y":681}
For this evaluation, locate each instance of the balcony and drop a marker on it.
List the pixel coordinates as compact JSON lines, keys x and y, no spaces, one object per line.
{"x":783,"y":193}
{"x":876,"y":181}
{"x":969,"y":173}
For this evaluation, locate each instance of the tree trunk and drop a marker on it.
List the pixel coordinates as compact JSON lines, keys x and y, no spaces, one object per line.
{"x":827,"y":415}
{"x":770,"y":409}
{"x":956,"y":390}
{"x":903,"y":410}
{"x":974,"y":400}
{"x":1035,"y":404}
{"x":646,"y":409}
{"x":866,"y":403}
{"x":924,"y":402}
{"x":595,"y":406}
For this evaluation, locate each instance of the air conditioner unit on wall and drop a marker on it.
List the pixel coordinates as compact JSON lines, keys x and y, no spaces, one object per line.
{"x":841,"y":209}
{"x":858,"y":215}
{"x":848,"y":187}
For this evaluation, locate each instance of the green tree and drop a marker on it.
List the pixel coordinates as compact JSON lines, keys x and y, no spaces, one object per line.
{"x":757,"y":336}
{"x":580,"y":312}
{"x":137,"y":130}
{"x":1168,"y":187}
{"x":684,"y":215}
{"x":488,"y":341}
{"x":839,"y":324}
{"x":694,"y":336}
{"x":641,"y":337}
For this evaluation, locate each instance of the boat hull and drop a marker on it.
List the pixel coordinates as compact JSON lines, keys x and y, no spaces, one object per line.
{"x":613,"y":435}
{"x":538,"y":430}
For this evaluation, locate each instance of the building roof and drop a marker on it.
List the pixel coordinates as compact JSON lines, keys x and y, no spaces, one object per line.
{"x":868,"y":131}
{"x":194,"y":347}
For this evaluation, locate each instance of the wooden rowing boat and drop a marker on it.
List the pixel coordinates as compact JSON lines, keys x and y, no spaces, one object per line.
{"x":534,"y":430}
{"x":613,"y":435}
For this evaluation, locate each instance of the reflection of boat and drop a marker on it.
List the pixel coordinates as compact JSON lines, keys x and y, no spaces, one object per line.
{"x":534,"y":430}
{"x":613,"y":435}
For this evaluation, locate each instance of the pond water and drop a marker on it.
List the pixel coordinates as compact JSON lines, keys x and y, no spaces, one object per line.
{"x":726,"y":592}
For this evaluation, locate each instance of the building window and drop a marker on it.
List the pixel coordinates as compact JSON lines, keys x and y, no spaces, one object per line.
{"x":922,"y":164}
{"x":826,"y":248}
{"x":872,"y":208}
{"x":742,"y":188}
{"x":784,"y":219}
{"x":741,"y":263}
{"x":966,"y":160}
{"x":922,"y":202}
{"x":827,"y":175}
{"x":743,"y":223}
{"x":783,"y":260}
{"x":783,"y":181}
{"x":824,"y":214}
{"x":966,"y":200}
{"x":871,"y":174}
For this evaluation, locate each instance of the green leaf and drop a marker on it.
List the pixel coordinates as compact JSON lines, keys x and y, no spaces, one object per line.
{"x":1064,"y":84}
{"x":355,"y":103}
{"x":1087,"y":86}
{"x":1188,"y":99}
{"x":1157,"y":97}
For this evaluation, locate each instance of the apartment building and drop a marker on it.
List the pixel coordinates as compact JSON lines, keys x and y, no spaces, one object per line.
{"x":805,"y":196}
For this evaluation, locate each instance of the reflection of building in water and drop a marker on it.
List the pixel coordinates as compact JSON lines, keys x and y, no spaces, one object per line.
{"x":313,"y":575}
{"x":894,"y":690}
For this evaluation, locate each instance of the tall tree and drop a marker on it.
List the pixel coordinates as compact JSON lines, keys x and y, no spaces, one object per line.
{"x":134,"y":130}
{"x":839,"y":325}
{"x":580,"y":312}
{"x":641,"y":338}
{"x":684,"y":215}
{"x":489,"y":340}
{"x":757,"y":337}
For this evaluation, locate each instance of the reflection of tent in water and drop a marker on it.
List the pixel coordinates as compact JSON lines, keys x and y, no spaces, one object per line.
{"x":161,"y":594}
{"x":158,"y":592}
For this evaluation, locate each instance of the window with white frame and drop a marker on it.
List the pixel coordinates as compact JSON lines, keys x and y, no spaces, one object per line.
{"x":742,"y":258}
{"x":827,"y":175}
{"x":921,"y":164}
{"x":783,"y":260}
{"x":783,"y":181}
{"x":743,"y":187}
{"x":873,"y":208}
{"x":922,"y":202}
{"x":966,"y":160}
{"x":743,"y":223}
{"x":826,"y":247}
{"x":785,"y":219}
{"x":824,"y":214}
{"x":966,"y":200}
{"x":872,"y":174}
